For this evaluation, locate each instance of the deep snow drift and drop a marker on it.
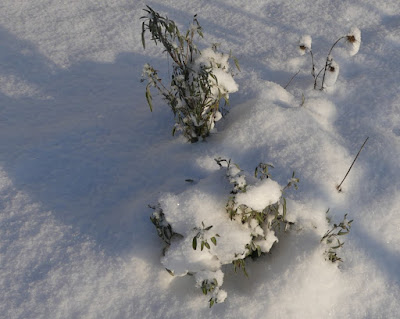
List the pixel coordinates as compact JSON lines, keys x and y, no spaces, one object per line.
{"x":81,"y":157}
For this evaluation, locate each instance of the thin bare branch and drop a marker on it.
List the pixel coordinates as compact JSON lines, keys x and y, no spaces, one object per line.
{"x":338,"y":187}
{"x":291,"y":79}
{"x":328,"y":59}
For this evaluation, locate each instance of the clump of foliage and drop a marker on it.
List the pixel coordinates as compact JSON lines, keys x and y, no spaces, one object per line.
{"x":330,"y":71}
{"x":200,"y":78}
{"x":240,"y":222}
{"x":164,"y":229}
{"x":201,"y":236}
{"x":261,"y":221}
{"x":332,"y":238}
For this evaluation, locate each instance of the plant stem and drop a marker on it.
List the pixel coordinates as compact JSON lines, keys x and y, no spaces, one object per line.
{"x":313,"y":69}
{"x":339,"y":186}
{"x":327,"y":61}
{"x":291,"y":79}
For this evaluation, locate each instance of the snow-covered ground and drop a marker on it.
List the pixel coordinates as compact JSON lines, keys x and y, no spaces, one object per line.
{"x":81,"y":157}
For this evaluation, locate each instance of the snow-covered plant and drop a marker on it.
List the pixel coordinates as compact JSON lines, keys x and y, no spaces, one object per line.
{"x":332,"y":238}
{"x":201,"y":236}
{"x":164,"y":230}
{"x":200,"y":78}
{"x":229,"y":215}
{"x":330,"y":71}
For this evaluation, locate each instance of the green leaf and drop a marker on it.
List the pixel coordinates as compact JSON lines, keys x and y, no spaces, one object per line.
{"x":207,"y":245}
{"x":202,"y":246}
{"x":214,"y":241}
{"x":194,"y":243}
{"x":149,"y":98}
{"x":226,"y":99}
{"x":212,"y":302}
{"x":170,"y":272}
{"x":170,"y":27}
{"x":258,"y":250}
{"x":143,"y":42}
{"x":338,"y":246}
{"x":208,"y":228}
{"x":237,"y":63}
{"x":284,"y":209}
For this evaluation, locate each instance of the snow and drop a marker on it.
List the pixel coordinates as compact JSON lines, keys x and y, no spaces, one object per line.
{"x":332,"y":73}
{"x":259,"y":196}
{"x":218,"y":62}
{"x":81,"y":157}
{"x":265,"y":245}
{"x":181,"y":259}
{"x":353,"y":41}
{"x":305,"y":44}
{"x":194,"y":210}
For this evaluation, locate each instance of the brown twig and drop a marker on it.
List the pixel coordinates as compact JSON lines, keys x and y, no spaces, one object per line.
{"x":338,"y":187}
{"x":291,"y":79}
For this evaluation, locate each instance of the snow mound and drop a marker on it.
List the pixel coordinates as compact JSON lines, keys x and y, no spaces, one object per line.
{"x":207,"y":236}
{"x":261,"y":195}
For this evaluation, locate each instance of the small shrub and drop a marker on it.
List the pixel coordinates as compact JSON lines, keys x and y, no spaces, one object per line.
{"x":223,"y":219}
{"x":200,"y":79}
{"x":332,"y":238}
{"x":330,"y":71}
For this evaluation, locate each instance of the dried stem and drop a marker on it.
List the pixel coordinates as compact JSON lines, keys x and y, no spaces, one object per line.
{"x":328,"y":59}
{"x":291,"y":79}
{"x":313,"y":69}
{"x":338,"y":187}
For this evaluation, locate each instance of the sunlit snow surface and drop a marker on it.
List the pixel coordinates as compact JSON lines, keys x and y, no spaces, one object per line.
{"x":82,"y":156}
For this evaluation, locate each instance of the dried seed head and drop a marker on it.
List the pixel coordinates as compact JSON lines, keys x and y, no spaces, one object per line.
{"x":305,"y":44}
{"x":353,"y":41}
{"x":351,"y":38}
{"x":332,"y":72}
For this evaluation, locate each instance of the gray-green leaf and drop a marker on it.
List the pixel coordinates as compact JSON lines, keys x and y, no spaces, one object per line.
{"x":194,"y":243}
{"x":143,"y":42}
{"x":148,"y":97}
